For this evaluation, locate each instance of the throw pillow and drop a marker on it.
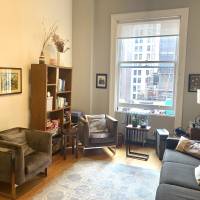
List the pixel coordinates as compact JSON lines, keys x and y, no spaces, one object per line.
{"x":190,"y":147}
{"x":18,"y":138}
{"x":197,"y":174}
{"x":97,"y":123}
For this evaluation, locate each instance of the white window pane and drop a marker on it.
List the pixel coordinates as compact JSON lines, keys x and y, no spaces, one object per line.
{"x":156,"y":88}
{"x":163,"y":49}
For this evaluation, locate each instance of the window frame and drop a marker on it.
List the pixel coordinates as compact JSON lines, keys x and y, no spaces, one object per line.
{"x":182,"y":13}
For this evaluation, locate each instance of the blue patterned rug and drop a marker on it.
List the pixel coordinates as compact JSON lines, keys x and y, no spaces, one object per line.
{"x":101,"y":180}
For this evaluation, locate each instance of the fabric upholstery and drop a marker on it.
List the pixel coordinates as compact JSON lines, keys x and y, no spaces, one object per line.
{"x":18,"y":138}
{"x":178,"y":157}
{"x":6,"y":158}
{"x":100,"y":135}
{"x":179,"y":174}
{"x":197,"y":174}
{"x":36,"y":160}
{"x":41,"y":142}
{"x":97,"y":139}
{"x":173,"y":192}
{"x":190,"y":147}
{"x":96,"y":123}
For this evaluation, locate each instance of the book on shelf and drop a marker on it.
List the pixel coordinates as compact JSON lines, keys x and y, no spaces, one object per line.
{"x":61,"y":102}
{"x":61,"y":85}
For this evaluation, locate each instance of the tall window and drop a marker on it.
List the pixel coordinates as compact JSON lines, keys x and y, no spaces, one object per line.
{"x":156,"y":63}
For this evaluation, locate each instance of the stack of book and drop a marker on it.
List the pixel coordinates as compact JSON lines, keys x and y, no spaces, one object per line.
{"x":61,"y":85}
{"x":61,"y":102}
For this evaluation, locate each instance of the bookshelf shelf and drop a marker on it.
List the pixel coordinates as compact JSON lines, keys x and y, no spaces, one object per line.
{"x":56,"y":81}
{"x":63,"y":92}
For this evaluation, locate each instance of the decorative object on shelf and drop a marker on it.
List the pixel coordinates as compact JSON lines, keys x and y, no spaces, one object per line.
{"x":49,"y":103}
{"x":10,"y":80}
{"x":194,"y":82}
{"x":60,"y":43}
{"x":47,"y":36}
{"x":52,"y":125}
{"x":60,"y":46}
{"x":101,"y":81}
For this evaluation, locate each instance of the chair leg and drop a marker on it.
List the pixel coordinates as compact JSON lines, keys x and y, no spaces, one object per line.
{"x":13,"y":188}
{"x":113,"y":150}
{"x":45,"y":172}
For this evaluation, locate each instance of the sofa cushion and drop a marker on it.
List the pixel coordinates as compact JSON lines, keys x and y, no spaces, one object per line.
{"x":197,"y":174}
{"x":18,"y":137}
{"x":190,"y":147}
{"x":177,"y":157}
{"x":172,"y":192}
{"x":103,"y":141}
{"x":97,"y":123}
{"x":36,"y":160}
{"x":179,"y":174}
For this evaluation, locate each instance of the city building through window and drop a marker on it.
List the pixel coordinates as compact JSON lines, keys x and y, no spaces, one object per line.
{"x":154,"y":67}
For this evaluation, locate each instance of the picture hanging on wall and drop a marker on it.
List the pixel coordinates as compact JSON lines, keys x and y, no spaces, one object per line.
{"x":101,"y":81}
{"x":10,"y":80}
{"x":194,"y":82}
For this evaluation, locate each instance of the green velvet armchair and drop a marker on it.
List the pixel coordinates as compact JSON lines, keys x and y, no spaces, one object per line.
{"x":17,"y":166}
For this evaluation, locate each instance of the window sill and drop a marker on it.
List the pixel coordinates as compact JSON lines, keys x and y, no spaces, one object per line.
{"x":160,"y":113}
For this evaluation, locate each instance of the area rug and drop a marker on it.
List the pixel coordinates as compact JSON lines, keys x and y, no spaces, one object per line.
{"x":100,"y":180}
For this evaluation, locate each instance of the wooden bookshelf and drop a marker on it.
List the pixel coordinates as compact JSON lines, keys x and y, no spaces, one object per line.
{"x":57,"y":81}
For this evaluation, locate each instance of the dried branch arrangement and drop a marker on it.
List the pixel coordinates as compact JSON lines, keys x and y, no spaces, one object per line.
{"x":48,"y":35}
{"x":59,"y":43}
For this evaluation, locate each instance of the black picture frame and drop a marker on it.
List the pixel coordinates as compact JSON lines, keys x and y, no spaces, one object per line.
{"x":193,"y":82}
{"x":101,"y":81}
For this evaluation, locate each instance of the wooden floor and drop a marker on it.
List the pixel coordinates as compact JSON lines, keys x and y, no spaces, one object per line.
{"x":28,"y":190}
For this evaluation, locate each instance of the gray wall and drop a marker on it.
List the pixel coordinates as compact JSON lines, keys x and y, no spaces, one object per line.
{"x":101,"y":57}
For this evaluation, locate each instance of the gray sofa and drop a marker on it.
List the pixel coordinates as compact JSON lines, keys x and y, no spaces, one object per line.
{"x":177,"y":179}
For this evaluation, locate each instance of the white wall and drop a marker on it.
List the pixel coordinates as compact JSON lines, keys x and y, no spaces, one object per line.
{"x":21,"y":33}
{"x":102,"y":20}
{"x":83,"y":26}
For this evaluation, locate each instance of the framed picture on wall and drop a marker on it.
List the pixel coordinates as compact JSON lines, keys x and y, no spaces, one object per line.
{"x":194,"y":82}
{"x":101,"y":81}
{"x":10,"y":80}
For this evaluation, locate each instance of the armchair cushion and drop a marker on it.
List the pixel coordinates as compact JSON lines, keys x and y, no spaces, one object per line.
{"x":18,"y":138}
{"x":97,"y":123}
{"x":36,"y":160}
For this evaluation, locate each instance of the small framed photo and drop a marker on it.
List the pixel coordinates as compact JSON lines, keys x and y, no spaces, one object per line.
{"x":194,"y":82}
{"x":10,"y":80}
{"x":101,"y":81}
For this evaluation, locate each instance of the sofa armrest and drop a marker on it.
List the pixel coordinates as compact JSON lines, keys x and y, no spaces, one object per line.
{"x":40,"y":141}
{"x":19,"y":159}
{"x":171,"y":143}
{"x":112,"y":126}
{"x":7,"y":167}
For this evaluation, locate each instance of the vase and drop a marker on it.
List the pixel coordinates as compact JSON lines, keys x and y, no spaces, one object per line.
{"x":58,"y":58}
{"x":61,"y":59}
{"x":42,"y":58}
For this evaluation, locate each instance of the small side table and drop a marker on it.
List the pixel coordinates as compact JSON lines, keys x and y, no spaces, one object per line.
{"x":161,"y":137}
{"x":70,"y":133}
{"x":139,"y":135}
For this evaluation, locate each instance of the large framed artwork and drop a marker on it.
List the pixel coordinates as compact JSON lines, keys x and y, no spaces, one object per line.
{"x":101,"y":81}
{"x":194,"y":82}
{"x":10,"y":80}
